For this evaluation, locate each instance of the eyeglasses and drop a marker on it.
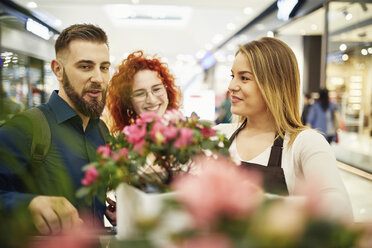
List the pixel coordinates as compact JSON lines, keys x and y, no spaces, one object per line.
{"x":141,"y":95}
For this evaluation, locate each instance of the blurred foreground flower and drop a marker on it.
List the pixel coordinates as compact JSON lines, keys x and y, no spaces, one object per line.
{"x":222,"y":189}
{"x":229,"y":209}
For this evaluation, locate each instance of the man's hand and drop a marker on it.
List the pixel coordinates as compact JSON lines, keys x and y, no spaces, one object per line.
{"x":111,"y":211}
{"x":53,"y":214}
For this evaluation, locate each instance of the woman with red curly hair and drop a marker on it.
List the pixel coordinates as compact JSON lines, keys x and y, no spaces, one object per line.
{"x":140,"y":84}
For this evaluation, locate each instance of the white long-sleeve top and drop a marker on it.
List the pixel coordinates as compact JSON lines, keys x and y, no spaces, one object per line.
{"x":309,"y":160}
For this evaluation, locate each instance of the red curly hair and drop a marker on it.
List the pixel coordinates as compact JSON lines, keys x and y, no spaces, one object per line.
{"x":119,"y":92}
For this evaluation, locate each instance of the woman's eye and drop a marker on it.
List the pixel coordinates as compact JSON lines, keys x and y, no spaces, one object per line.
{"x":232,"y":76}
{"x":156,"y":89}
{"x":139,"y":94}
{"x":245,"y":78}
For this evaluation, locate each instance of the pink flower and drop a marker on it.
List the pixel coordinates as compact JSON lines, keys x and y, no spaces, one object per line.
{"x":138,"y":147}
{"x":207,"y":132}
{"x":147,"y":117}
{"x":170,"y":133}
{"x":185,"y":138}
{"x":90,"y":176}
{"x":173,"y":116}
{"x":105,"y":151}
{"x":221,"y":188}
{"x":135,"y":133}
{"x":208,"y":241}
{"x":122,"y":153}
{"x":157,"y":131}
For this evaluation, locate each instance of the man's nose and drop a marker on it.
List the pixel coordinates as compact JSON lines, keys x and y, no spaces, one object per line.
{"x":97,"y":76}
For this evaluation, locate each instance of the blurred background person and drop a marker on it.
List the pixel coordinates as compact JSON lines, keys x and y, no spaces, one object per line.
{"x":223,"y":111}
{"x":308,"y":101}
{"x":324,"y":116}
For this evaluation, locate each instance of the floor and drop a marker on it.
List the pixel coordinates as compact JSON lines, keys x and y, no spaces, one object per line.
{"x":360,"y":191}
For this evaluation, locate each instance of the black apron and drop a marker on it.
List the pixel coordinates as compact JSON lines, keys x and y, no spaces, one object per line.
{"x":272,"y":174}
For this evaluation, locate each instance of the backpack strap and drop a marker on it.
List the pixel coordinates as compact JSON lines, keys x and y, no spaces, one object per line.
{"x":41,"y":136}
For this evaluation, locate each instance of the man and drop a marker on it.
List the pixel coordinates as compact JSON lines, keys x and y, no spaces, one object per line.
{"x":82,"y":69}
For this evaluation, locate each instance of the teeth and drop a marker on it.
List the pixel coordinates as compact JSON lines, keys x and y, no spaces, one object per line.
{"x":152,"y":108}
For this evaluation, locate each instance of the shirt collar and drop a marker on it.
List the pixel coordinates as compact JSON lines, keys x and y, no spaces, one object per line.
{"x":60,"y":107}
{"x":62,"y":110}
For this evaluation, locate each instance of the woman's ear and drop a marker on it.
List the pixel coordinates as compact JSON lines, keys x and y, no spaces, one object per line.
{"x":57,"y":69}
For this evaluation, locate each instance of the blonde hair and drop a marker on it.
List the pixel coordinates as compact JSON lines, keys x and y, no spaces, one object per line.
{"x":275,"y":70}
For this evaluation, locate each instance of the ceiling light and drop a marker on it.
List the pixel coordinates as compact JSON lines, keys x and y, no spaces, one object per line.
{"x":248,"y":11}
{"x":270,"y":34}
{"x":370,"y":50}
{"x":364,"y":51}
{"x":32,"y":5}
{"x":343,"y":47}
{"x":135,"y":1}
{"x":147,"y":14}
{"x":348,"y":16}
{"x":345,"y":57}
{"x":314,"y":27}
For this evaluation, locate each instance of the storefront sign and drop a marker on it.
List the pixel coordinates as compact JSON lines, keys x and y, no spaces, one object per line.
{"x":37,"y":29}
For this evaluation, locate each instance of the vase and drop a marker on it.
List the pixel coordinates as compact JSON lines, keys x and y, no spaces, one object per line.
{"x":134,"y":205}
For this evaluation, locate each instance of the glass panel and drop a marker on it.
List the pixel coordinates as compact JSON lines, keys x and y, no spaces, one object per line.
{"x":349,"y":62}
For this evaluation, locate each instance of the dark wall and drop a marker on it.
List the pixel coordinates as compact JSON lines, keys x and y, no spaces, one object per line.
{"x":312,"y":63}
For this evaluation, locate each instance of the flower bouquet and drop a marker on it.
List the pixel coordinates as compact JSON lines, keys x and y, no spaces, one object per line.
{"x":144,"y":158}
{"x":150,"y":152}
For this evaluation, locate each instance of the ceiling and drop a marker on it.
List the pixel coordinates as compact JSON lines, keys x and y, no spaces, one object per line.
{"x":349,"y":23}
{"x":193,"y":26}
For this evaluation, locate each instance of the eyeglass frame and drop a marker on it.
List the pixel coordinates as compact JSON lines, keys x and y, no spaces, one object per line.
{"x":147,"y":92}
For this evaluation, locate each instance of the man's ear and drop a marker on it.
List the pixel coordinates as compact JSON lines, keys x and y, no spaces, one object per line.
{"x":57,"y":69}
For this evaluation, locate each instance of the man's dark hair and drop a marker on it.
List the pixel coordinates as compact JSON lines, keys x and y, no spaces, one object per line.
{"x":86,"y":32}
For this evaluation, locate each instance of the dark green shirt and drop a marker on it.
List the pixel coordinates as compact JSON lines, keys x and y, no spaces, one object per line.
{"x":71,"y":148}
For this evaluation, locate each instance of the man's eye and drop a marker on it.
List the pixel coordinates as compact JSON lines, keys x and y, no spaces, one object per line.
{"x":105,"y":68}
{"x":85,"y":67}
{"x":232,"y":76}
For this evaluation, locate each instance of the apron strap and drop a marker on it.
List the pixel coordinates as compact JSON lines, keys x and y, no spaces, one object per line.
{"x":237,"y":131}
{"x":276,"y":152}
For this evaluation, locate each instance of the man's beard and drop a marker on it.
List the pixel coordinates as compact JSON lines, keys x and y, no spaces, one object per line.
{"x":92,"y":108}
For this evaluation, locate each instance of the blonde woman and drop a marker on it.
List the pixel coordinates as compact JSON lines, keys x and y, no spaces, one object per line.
{"x":265,"y":93}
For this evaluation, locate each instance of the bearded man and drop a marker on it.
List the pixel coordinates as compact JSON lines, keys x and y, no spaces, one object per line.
{"x":82,"y":68}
